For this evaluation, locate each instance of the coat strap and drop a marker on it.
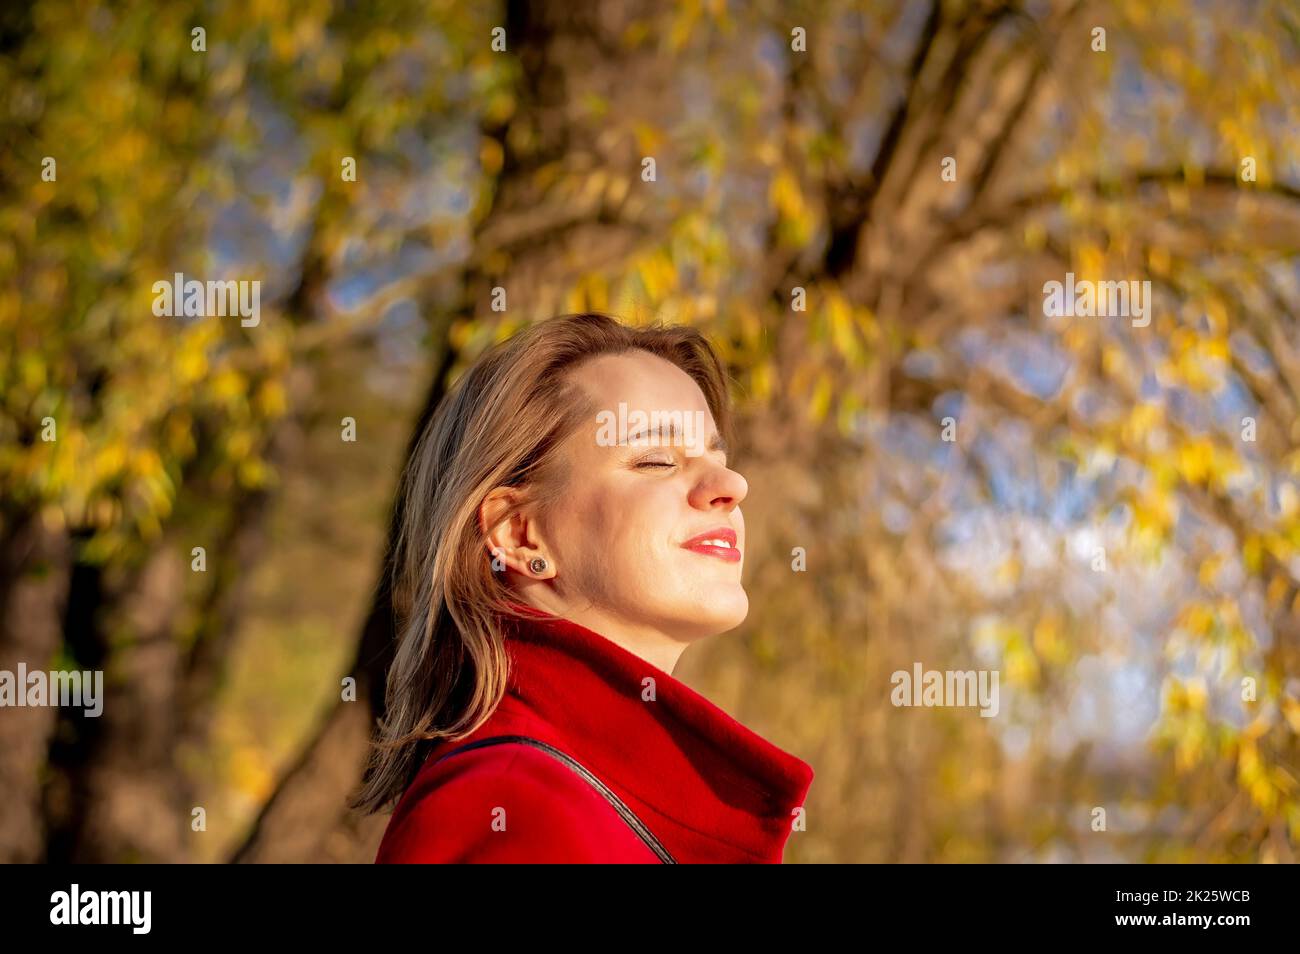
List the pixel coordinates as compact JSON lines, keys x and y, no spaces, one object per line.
{"x":629,"y":816}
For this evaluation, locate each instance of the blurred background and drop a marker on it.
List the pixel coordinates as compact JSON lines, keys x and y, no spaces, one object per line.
{"x":1106,"y":514}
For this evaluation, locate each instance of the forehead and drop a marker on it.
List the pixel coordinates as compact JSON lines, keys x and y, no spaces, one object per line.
{"x":641,"y":380}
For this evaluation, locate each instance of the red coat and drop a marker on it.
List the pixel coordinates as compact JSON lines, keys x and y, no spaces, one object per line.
{"x":707,"y":788}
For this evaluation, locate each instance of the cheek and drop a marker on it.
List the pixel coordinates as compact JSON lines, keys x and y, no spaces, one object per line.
{"x":614,"y":536}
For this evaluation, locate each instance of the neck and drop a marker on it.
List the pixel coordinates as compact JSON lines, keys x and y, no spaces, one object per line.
{"x":642,"y":639}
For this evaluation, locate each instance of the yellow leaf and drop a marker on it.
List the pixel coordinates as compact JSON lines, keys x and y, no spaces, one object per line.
{"x":821,"y":399}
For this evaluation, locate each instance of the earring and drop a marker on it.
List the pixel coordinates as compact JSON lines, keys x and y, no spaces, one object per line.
{"x":537,"y":565}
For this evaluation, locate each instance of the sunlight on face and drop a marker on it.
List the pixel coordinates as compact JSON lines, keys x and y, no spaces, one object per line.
{"x":649,"y":529}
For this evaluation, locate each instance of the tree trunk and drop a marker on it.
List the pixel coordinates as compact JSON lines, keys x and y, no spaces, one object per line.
{"x":545,"y":235}
{"x":35,"y":566}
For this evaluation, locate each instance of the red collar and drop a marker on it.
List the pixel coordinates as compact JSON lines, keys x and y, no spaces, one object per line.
{"x":699,"y":778}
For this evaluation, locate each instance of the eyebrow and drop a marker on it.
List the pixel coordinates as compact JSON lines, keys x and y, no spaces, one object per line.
{"x":716,"y":443}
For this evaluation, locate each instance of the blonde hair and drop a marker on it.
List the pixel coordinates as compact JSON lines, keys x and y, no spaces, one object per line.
{"x":501,"y":425}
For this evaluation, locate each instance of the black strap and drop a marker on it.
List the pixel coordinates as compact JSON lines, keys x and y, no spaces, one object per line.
{"x":629,"y":816}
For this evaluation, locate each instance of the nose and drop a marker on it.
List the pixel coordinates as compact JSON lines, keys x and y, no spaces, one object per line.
{"x":720,"y":488}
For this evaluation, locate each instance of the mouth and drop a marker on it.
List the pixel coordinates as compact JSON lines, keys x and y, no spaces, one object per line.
{"x":719,"y":542}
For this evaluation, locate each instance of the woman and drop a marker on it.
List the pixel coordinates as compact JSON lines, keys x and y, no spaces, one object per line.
{"x":569,"y":526}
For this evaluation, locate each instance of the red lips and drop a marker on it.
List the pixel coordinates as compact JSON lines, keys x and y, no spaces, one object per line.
{"x":707,"y":543}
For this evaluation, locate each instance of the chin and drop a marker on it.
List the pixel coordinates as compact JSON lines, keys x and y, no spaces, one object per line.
{"x":723,"y":609}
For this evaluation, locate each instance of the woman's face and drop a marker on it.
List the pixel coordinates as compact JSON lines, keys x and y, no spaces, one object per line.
{"x":648,"y":530}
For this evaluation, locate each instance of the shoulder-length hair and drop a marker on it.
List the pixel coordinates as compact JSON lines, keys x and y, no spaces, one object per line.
{"x":500,"y":425}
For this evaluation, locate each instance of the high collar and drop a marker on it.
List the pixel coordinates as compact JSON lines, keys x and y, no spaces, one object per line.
{"x":713,"y":786}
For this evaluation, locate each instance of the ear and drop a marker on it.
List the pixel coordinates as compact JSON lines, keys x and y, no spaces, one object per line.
{"x":511,"y":534}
